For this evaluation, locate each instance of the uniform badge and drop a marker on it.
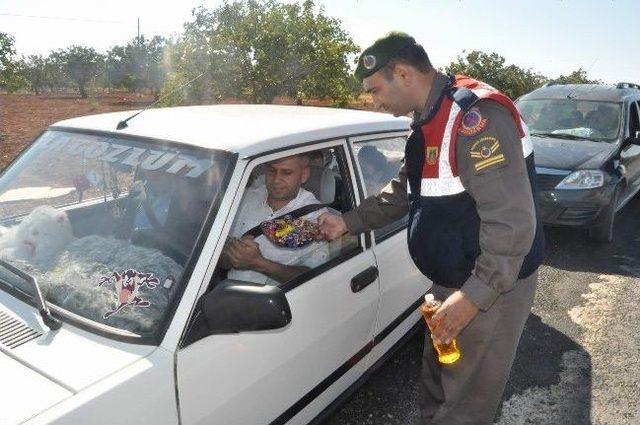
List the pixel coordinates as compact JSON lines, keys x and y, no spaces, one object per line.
{"x":487,"y":154}
{"x":432,"y":155}
{"x":472,"y":123}
{"x":369,"y":61}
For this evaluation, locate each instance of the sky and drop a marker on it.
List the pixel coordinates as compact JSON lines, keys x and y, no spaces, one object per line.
{"x":552,"y":37}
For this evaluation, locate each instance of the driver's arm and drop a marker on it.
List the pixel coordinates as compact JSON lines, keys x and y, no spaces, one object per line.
{"x":244,"y":254}
{"x":279,"y":272}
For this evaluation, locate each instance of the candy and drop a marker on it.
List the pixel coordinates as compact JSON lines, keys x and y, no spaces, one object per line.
{"x":290,"y":233}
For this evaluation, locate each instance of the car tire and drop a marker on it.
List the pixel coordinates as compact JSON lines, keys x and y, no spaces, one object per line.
{"x":603,"y":232}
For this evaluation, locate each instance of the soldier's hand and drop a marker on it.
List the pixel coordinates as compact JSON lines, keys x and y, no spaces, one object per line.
{"x":331,"y":226}
{"x":452,"y":317}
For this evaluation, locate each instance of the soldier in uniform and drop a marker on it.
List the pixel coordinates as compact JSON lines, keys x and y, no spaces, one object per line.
{"x":468,"y":184}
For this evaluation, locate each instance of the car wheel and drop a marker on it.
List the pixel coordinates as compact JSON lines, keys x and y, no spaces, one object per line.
{"x":603,"y":232}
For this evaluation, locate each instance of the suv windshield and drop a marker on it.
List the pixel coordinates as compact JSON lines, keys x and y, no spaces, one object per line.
{"x":106,"y":224}
{"x":599,"y":121}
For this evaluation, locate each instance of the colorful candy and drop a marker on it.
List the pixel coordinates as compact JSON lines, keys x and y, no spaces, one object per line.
{"x":290,"y":233}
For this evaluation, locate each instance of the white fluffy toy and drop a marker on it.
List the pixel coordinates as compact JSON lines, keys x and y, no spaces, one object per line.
{"x":39,"y":238}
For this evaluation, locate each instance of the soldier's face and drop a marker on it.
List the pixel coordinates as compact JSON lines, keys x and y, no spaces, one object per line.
{"x":390,"y":95}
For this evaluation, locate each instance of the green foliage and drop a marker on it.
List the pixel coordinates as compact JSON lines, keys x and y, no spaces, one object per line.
{"x":490,"y":68}
{"x":175,"y":90}
{"x":33,"y":68}
{"x":11,"y":78}
{"x":81,"y":65}
{"x":257,"y":50}
{"x":576,"y":77}
{"x":138,"y":65}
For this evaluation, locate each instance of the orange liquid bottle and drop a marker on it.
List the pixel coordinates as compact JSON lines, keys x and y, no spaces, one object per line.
{"x":447,"y":353}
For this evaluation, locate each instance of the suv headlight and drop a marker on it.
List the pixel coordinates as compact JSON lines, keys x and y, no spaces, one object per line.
{"x":582,"y":179}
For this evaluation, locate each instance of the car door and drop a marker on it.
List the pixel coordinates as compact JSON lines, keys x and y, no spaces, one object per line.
{"x":630,"y":154}
{"x":402,"y":286}
{"x":291,"y":374}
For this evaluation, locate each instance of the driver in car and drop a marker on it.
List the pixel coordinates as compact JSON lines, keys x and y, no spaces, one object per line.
{"x":258,"y":259}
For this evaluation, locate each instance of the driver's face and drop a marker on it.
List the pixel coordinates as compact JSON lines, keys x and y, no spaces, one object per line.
{"x":285,"y":176}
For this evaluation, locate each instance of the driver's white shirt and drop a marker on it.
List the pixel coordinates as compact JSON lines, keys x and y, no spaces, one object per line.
{"x":253,"y":210}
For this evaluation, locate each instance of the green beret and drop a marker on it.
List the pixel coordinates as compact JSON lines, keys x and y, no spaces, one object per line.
{"x":378,"y":54}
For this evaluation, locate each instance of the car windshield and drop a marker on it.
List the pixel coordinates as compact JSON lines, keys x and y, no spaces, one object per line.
{"x":591,"y":120}
{"x":106,"y":224}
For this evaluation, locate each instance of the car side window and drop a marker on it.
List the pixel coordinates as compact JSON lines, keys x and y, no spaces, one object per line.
{"x":380,"y":160}
{"x":271,"y":241}
{"x":634,"y":119}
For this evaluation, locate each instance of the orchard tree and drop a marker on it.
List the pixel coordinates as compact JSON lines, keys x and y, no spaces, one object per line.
{"x":258,"y":50}
{"x":11,"y":78}
{"x":81,"y":65}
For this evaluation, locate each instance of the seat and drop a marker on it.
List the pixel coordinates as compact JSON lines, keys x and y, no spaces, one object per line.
{"x":322,"y":184}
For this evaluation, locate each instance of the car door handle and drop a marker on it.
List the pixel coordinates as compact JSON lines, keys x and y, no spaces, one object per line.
{"x":364,"y":279}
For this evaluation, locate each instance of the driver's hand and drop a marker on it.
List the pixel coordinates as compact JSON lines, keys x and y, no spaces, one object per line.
{"x":243,"y":253}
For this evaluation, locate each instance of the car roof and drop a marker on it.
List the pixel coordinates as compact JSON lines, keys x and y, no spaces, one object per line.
{"x":601,"y":92}
{"x":245,"y":129}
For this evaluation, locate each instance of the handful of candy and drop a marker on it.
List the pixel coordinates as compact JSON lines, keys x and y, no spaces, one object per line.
{"x":290,"y":233}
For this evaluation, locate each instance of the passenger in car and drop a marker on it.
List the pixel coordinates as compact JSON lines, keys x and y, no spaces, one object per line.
{"x":376,"y":170}
{"x":258,"y":259}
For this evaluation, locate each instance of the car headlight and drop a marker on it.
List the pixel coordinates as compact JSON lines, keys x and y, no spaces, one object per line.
{"x":582,"y":179}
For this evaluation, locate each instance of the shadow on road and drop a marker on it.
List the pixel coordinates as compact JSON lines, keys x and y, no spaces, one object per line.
{"x":570,"y":249}
{"x":542,"y":364}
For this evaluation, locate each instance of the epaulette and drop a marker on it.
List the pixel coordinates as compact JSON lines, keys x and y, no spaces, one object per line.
{"x":464,"y":97}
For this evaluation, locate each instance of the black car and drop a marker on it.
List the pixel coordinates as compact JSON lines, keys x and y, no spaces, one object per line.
{"x":586,"y":139}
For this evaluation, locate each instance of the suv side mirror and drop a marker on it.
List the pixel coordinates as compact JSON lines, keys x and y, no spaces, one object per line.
{"x":633,"y":140}
{"x":234,"y":306}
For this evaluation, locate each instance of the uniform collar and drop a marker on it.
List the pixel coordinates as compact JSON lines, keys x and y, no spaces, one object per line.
{"x":440,"y":83}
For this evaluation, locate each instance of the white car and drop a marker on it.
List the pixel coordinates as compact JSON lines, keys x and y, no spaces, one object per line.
{"x":114,"y":310}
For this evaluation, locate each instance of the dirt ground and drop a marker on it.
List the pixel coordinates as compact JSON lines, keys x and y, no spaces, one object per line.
{"x":24,"y":116}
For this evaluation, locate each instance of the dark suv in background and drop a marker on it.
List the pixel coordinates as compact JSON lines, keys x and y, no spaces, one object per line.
{"x":586,"y":139}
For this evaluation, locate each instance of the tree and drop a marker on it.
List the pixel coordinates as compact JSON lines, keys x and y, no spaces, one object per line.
{"x":81,"y":65}
{"x":138,"y":65}
{"x":490,"y":68}
{"x":35,"y":72}
{"x":11,"y":78}
{"x":576,"y":77}
{"x":260,"y":49}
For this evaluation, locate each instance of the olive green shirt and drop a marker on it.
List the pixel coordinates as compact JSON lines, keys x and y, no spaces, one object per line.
{"x":502,"y":193}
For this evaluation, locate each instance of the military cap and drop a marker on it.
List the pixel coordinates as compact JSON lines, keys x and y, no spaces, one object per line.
{"x":379,"y":53}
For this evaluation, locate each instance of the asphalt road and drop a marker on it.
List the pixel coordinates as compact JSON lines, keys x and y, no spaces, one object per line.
{"x":578,"y":361}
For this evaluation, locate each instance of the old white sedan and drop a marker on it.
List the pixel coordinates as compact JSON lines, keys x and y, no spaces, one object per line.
{"x":115,"y":308}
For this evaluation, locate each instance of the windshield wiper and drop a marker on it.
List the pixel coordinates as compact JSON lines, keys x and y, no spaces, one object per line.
{"x":45,"y":313}
{"x":565,"y":136}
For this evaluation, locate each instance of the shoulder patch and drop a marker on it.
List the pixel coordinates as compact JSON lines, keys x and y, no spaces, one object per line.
{"x":472,"y":123}
{"x":486,"y":154}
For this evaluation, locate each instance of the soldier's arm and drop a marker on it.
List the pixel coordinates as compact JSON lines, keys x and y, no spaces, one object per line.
{"x":378,"y":211}
{"x":497,"y":180}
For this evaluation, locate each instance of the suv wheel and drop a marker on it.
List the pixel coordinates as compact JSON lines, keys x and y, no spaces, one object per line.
{"x":603,"y":232}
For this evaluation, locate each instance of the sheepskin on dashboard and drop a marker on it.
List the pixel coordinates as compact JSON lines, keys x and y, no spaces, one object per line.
{"x":104,"y":279}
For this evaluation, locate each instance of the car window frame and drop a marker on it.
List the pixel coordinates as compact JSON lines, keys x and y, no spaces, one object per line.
{"x":633,"y":104}
{"x":259,"y":159}
{"x":352,"y":141}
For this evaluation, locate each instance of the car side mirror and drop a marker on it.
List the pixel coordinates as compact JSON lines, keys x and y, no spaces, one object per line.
{"x":633,"y":140}
{"x":235,"y":306}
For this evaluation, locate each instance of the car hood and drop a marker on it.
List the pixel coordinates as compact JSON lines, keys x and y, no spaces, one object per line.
{"x":571,"y":154}
{"x":55,"y":365}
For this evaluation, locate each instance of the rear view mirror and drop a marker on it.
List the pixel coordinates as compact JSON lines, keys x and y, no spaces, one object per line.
{"x":235,"y":306}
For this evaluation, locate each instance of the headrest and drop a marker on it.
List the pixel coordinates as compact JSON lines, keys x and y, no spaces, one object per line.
{"x":322,"y":184}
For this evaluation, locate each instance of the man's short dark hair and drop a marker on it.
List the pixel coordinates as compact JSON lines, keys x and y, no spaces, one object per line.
{"x":414,"y":55}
